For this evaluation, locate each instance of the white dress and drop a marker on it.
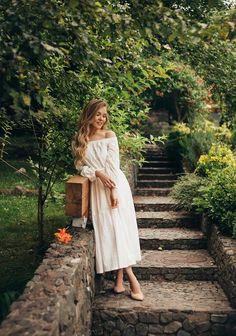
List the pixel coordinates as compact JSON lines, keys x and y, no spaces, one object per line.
{"x":115,"y":229}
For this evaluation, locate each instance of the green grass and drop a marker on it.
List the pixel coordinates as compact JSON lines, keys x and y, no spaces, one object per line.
{"x":19,"y":254}
{"x":18,"y":236}
{"x":10,"y":179}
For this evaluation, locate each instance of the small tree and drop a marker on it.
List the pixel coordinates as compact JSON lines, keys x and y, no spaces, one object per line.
{"x":53,"y":129}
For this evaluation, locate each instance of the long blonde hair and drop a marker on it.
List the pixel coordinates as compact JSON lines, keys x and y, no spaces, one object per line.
{"x":80,"y":139}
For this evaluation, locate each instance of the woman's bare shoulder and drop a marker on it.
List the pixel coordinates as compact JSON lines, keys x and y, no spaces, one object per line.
{"x":110,"y":134}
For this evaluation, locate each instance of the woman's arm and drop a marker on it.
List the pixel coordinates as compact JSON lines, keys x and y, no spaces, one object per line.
{"x":112,"y":164}
{"x":88,"y":172}
{"x":106,"y":180}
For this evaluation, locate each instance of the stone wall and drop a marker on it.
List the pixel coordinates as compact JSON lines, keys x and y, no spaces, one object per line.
{"x":131,"y":170}
{"x":223,"y":250}
{"x":169,"y":323}
{"x":57,"y":301}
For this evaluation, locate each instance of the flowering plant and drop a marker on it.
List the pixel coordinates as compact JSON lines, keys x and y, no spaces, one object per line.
{"x":219,"y":157}
{"x":63,"y":236}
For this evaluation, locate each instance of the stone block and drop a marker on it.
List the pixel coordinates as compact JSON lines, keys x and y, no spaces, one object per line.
{"x":116,"y":333}
{"x":129,"y":331}
{"x":141,"y":329}
{"x":156,"y":329}
{"x":182,"y":332}
{"x":120,"y":324}
{"x":179,"y":316}
{"x":202,"y":327}
{"x":219,"y":318}
{"x":172,"y":327}
{"x":166,"y":317}
{"x":131,"y":317}
{"x":109,"y":325}
{"x":148,"y":317}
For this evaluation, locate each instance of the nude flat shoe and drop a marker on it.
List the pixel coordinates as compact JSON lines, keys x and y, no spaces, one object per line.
{"x":137,"y":296}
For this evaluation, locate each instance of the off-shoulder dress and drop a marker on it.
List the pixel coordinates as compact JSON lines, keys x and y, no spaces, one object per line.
{"x":116,"y":232}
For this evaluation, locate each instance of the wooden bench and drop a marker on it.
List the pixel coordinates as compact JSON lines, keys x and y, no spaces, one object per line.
{"x":77,"y":200}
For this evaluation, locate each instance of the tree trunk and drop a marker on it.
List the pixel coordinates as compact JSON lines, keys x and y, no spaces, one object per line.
{"x":40,"y":217}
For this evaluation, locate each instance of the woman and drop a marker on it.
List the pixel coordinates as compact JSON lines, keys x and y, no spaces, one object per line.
{"x":96,"y":153}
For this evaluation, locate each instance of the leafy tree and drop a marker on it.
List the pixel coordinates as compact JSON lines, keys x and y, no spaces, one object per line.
{"x":197,"y":10}
{"x":55,"y":55}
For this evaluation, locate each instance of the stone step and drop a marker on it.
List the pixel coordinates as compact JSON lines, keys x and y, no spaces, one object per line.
{"x":152,"y":191}
{"x":176,"y":265}
{"x":165,"y":164}
{"x":169,"y":308}
{"x":157,"y":170}
{"x":157,"y":157}
{"x":154,"y":149}
{"x":157,"y":176}
{"x":172,"y":238}
{"x":173,"y":265}
{"x":155,"y":183}
{"x":167,"y":219}
{"x":152,"y":203}
{"x":153,"y":158}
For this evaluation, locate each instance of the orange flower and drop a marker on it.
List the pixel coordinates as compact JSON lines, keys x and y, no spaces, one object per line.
{"x":62,"y":236}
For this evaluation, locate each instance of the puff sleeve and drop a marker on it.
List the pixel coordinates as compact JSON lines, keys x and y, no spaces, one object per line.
{"x":88,"y":172}
{"x":112,"y":164}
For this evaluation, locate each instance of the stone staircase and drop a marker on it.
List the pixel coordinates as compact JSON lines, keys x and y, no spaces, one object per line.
{"x":177,"y":274}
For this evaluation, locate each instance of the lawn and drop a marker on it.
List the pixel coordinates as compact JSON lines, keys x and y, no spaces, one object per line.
{"x":19,"y":256}
{"x":10,"y":178}
{"x":18,"y":236}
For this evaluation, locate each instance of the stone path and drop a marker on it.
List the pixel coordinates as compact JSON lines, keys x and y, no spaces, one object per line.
{"x":177,"y":274}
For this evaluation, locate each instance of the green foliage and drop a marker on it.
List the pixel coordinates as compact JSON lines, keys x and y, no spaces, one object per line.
{"x":191,"y":142}
{"x":217,"y":199}
{"x":197,"y":10}
{"x":11,"y":179}
{"x":215,"y":62}
{"x":5,"y":131}
{"x":186,"y":189}
{"x":55,"y":56}
{"x":214,"y":196}
{"x":211,"y":188}
{"x":6,"y":300}
{"x":182,"y":86}
{"x":219,"y":157}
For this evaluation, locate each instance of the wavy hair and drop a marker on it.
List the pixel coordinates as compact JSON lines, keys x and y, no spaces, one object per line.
{"x":80,"y":139}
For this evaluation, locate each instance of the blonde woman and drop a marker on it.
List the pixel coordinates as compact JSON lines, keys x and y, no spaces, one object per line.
{"x":96,"y":153}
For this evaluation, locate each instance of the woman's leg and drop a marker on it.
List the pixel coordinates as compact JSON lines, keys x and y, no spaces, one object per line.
{"x":134,"y":284}
{"x":119,"y":280}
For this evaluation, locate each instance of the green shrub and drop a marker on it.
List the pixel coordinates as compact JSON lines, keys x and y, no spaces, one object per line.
{"x":186,"y":189}
{"x":191,"y":143}
{"x":220,"y":156}
{"x":217,"y":199}
{"x":6,"y":299}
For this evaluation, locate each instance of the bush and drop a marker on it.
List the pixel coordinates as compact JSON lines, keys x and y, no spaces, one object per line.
{"x":191,"y":143}
{"x":219,"y":157}
{"x":217,"y":199}
{"x":186,"y":189}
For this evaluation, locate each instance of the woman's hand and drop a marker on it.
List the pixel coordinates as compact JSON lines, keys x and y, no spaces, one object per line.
{"x":114,"y":198}
{"x":106,"y":180}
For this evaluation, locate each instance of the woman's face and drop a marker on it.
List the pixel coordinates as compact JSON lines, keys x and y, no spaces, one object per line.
{"x":100,"y":118}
